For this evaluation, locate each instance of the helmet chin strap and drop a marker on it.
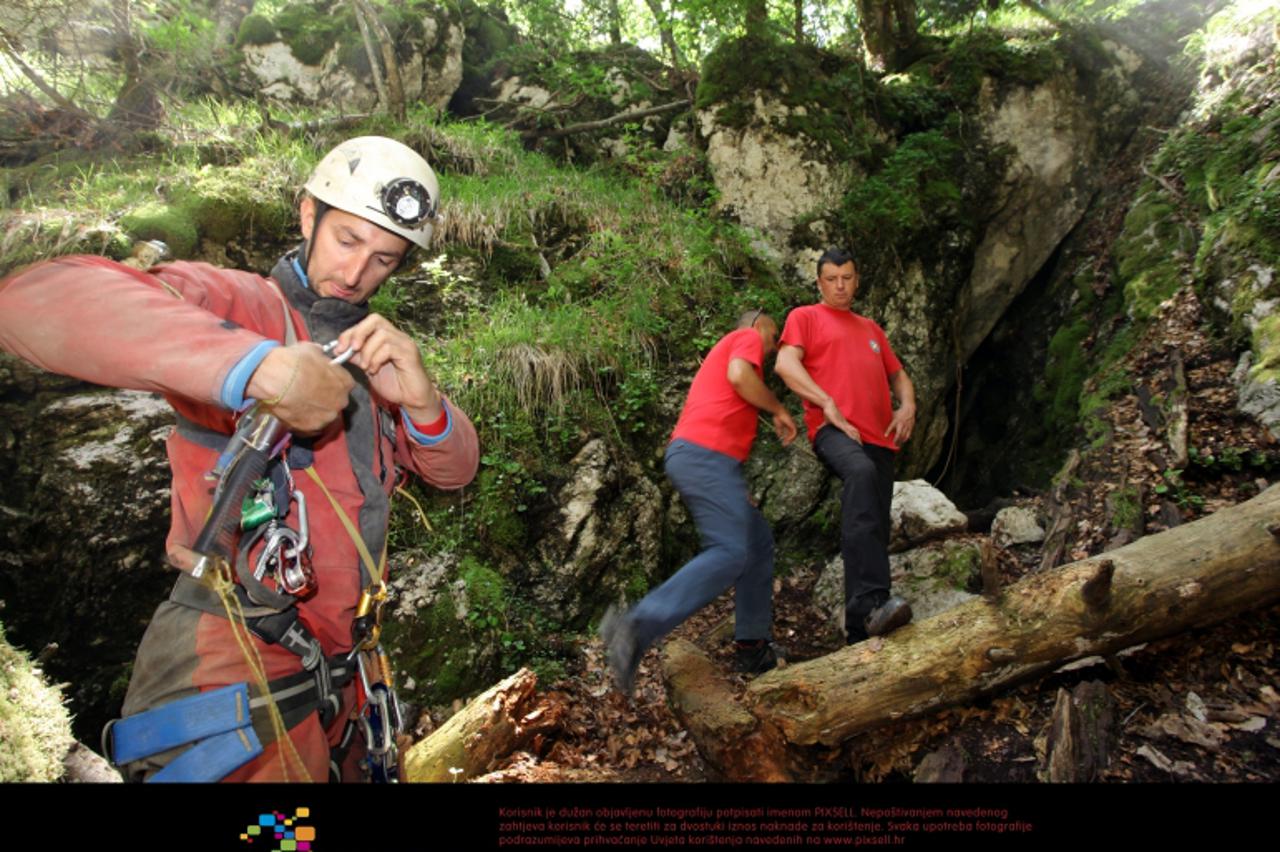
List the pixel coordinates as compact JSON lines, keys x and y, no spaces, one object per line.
{"x":321,"y":209}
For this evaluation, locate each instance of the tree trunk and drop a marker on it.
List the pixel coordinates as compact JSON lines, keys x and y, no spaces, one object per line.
{"x":799,"y":21}
{"x":889,"y":30}
{"x":390,"y":87}
{"x":757,"y":19}
{"x":137,"y":105}
{"x":1197,"y":574}
{"x":1194,"y":575}
{"x":665,"y":31}
{"x":615,"y":23}
{"x":729,"y":738}
{"x":501,"y":720}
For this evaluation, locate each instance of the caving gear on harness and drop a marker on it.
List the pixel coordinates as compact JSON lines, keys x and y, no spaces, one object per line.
{"x":379,"y":716}
{"x":382,"y":181}
{"x":244,"y":499}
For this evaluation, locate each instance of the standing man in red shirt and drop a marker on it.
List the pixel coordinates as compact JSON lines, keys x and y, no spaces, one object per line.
{"x":841,"y":365}
{"x":712,"y":439}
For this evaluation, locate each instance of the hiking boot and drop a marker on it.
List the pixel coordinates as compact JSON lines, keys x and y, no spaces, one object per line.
{"x":756,"y":657}
{"x":888,"y":616}
{"x":621,"y":649}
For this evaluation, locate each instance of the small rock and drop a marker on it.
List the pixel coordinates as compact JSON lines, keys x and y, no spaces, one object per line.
{"x":921,"y":512}
{"x":944,"y":766}
{"x":1016,"y":525}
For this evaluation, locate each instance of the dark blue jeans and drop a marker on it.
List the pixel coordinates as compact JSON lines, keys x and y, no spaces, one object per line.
{"x":737,"y":550}
{"x":866,"y":475}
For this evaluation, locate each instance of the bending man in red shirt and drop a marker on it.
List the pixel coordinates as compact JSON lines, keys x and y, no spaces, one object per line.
{"x":843,"y":368}
{"x":712,"y":439}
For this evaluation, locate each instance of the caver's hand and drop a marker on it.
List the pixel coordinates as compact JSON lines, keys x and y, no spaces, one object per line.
{"x":391,"y":360}
{"x":832,"y":414}
{"x":299,"y":385}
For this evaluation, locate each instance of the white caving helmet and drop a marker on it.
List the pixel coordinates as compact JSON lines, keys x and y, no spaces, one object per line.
{"x":383,"y":181}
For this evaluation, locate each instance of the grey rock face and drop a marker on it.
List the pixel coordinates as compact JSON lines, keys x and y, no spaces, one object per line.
{"x":431,"y":75}
{"x":84,"y":500}
{"x":607,"y":532}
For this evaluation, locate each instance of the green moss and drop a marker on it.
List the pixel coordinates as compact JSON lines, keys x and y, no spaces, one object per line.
{"x":1124,"y":510}
{"x":169,"y":223}
{"x":913,"y":194}
{"x":959,"y":565}
{"x":1266,"y":350}
{"x":35,"y":729}
{"x":802,"y":77}
{"x":255,"y":29}
{"x":311,"y":31}
{"x":486,"y":590}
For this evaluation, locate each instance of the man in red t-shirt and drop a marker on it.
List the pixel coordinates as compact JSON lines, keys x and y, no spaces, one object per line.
{"x":712,"y":439}
{"x":843,"y":368}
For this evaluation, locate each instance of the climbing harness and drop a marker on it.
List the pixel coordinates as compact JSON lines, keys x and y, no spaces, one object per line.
{"x":254,"y":495}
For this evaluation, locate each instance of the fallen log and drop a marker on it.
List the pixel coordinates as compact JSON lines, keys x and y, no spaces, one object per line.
{"x":728,"y":737}
{"x":1194,"y":575}
{"x":498,"y":722}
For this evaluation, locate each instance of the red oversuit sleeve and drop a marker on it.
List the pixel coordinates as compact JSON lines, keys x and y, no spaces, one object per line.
{"x":175,"y":329}
{"x":450,"y":462}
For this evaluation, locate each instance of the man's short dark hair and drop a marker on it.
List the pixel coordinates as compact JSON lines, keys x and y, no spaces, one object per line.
{"x":838,"y":256}
{"x":748,"y":318}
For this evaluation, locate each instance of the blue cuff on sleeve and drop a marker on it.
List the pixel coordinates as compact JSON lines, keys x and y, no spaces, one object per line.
{"x":428,"y":440}
{"x":232,"y":394}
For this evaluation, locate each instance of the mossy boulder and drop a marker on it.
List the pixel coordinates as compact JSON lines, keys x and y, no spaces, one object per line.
{"x":255,"y":29}
{"x":1258,"y":375}
{"x":956,"y":180}
{"x":35,"y":727}
{"x":443,"y":626}
{"x":317,"y":55}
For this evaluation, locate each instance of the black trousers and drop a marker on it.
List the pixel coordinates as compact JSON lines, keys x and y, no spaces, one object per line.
{"x":866,"y":475}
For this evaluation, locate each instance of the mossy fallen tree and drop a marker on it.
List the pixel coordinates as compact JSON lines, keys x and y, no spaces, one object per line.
{"x":505,"y":718}
{"x":1191,"y":576}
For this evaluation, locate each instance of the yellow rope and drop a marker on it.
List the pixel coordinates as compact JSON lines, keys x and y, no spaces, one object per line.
{"x":239,"y":629}
{"x":375,"y":570}
{"x":404,"y":492}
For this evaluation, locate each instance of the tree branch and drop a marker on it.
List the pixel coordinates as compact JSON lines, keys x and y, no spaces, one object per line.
{"x":620,"y":118}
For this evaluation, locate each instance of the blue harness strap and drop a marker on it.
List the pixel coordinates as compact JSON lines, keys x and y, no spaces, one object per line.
{"x":212,"y":759}
{"x":217,"y":721}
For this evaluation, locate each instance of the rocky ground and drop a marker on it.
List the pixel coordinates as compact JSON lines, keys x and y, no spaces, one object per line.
{"x":1201,"y":706}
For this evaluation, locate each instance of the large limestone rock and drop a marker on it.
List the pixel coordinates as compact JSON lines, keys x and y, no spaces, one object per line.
{"x":767,"y":177}
{"x":282,"y":57}
{"x":603,"y":541}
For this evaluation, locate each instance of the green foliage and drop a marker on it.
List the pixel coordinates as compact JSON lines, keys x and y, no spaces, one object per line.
{"x":1175,"y":488}
{"x":183,"y":30}
{"x":811,"y":82}
{"x":1125,"y":509}
{"x":255,"y":29}
{"x":914,"y":189}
